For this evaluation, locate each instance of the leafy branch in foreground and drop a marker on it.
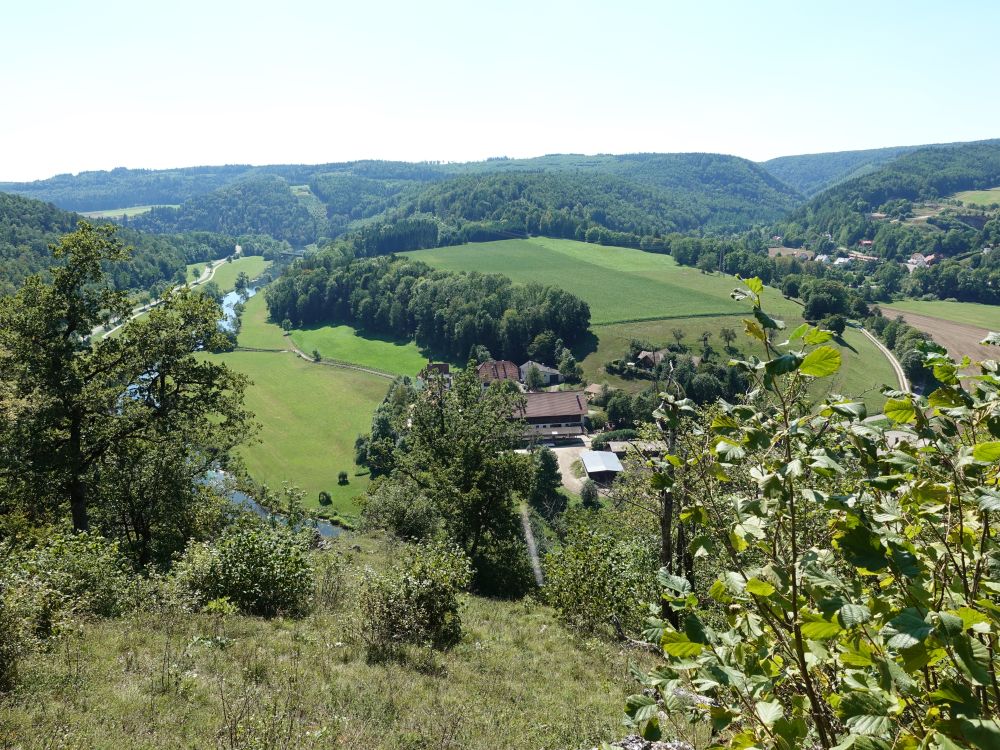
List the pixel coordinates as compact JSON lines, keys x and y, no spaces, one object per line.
{"x":857,"y":600}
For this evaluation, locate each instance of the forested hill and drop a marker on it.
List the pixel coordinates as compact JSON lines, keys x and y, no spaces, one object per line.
{"x":303,"y":203}
{"x":28,"y":227}
{"x":811,"y":174}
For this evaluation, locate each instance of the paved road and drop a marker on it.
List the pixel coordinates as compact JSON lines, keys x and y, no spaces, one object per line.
{"x":904,"y":384}
{"x":206,"y":276}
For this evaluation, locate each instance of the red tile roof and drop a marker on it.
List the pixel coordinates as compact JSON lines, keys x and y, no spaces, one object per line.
{"x":503,"y":369}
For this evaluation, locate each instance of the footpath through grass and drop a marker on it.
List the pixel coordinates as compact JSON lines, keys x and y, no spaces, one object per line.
{"x":345,"y":344}
{"x":970,"y":313}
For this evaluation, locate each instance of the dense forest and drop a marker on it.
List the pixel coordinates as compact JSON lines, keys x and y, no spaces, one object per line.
{"x":28,"y":227}
{"x":259,"y":205}
{"x":811,"y":174}
{"x":449,"y":313}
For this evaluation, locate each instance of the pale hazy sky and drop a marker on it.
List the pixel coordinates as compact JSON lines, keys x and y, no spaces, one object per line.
{"x":95,"y":85}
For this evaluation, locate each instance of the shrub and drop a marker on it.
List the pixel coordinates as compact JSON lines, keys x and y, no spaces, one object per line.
{"x":342,"y":477}
{"x":401,"y":509}
{"x":262,"y":569}
{"x":597,"y":581}
{"x":324,"y":498}
{"x":601,"y":441}
{"x":596,"y":422}
{"x":75,"y":574}
{"x":589,"y":495}
{"x":415,"y":602}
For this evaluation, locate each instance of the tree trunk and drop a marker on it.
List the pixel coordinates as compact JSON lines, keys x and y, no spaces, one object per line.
{"x":76,"y":487}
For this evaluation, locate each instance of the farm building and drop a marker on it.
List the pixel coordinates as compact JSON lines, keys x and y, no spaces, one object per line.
{"x":550,"y":375}
{"x":493,"y":369}
{"x":622,"y":448}
{"x":601,"y":466}
{"x":436,"y":370}
{"x":649,"y":359}
{"x":554,"y":415}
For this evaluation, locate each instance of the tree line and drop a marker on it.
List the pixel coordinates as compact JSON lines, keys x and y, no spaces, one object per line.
{"x":449,"y":313}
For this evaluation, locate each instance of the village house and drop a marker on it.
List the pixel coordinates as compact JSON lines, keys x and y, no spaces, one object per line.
{"x":649,"y":360}
{"x":493,"y":370}
{"x":553,"y":415}
{"x":435,"y":370}
{"x":550,"y":375}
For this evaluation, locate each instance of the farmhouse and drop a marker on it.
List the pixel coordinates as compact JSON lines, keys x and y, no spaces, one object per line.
{"x":554,"y":415}
{"x":649,"y":359}
{"x":492,"y":370}
{"x":436,"y":370}
{"x":550,"y":375}
{"x":601,"y":466}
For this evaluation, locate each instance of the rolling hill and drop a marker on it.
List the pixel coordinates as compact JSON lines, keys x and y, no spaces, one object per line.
{"x":811,"y":174}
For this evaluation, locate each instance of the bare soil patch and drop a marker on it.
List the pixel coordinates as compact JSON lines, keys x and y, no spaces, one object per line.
{"x":960,"y":339}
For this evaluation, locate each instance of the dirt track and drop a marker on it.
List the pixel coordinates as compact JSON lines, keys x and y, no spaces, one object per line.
{"x":960,"y":339}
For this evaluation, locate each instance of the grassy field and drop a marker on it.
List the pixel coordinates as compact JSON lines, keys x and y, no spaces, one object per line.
{"x":517,"y":679}
{"x":114,"y":213}
{"x":345,"y":344}
{"x":970,"y":313}
{"x":619,"y":284}
{"x":310,"y":415}
{"x":633,"y":294}
{"x":225,"y":275}
{"x":979,"y":197}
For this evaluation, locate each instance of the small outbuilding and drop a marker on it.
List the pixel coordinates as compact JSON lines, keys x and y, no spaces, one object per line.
{"x":601,"y":466}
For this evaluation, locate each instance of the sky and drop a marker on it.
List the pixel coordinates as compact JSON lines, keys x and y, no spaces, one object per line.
{"x":97,"y":85}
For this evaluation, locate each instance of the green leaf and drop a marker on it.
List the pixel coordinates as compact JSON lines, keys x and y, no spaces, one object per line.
{"x":987,"y":452}
{"x":755,"y":285}
{"x":854,"y":614}
{"x":640,"y":708}
{"x":821,"y":362}
{"x":767,"y":321}
{"x":799,"y":332}
{"x":820,"y":630}
{"x":989,"y":500}
{"x":672,"y":582}
{"x":817,"y":336}
{"x":678,"y":644}
{"x":906,"y":630}
{"x":782,"y":365}
{"x":768,"y":712}
{"x":758,"y":587}
{"x":900,"y":410}
{"x":972,"y":658}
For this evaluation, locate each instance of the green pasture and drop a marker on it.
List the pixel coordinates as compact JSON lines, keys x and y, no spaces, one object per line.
{"x":225,"y":275}
{"x":344,"y":343}
{"x":634,"y":294}
{"x":115,"y":213}
{"x":970,"y":313}
{"x":310,"y":415}
{"x":979,"y":197}
{"x":620,"y":284}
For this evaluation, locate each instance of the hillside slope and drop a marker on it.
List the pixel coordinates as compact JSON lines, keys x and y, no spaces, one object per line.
{"x":811,"y":174}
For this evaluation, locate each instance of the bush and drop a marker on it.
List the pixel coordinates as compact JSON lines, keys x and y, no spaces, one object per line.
{"x":324,"y":498}
{"x":79,"y":574}
{"x":601,"y":441}
{"x":596,"y":422}
{"x":415,"y":602}
{"x":342,"y":477}
{"x":401,"y":509}
{"x":597,"y":582}
{"x":589,"y":496}
{"x":263,"y":570}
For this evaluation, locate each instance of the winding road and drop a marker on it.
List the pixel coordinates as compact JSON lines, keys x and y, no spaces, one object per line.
{"x":904,"y":383}
{"x":205,"y":277}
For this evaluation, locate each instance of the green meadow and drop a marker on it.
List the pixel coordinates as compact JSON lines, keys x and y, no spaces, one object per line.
{"x":345,"y":344}
{"x":970,"y":313}
{"x":114,"y":213}
{"x":225,"y":275}
{"x":637,"y":295}
{"x":310,"y":415}
{"x":979,"y":197}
